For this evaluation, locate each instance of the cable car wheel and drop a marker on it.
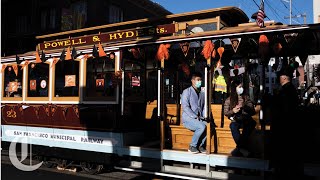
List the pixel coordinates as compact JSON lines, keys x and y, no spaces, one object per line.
{"x":49,"y":162}
{"x":91,"y":168}
{"x":46,"y":161}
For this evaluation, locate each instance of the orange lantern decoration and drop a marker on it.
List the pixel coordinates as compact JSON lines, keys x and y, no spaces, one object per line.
{"x":220,"y":52}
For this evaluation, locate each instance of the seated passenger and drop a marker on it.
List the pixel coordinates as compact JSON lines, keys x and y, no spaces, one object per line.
{"x":192,"y":100}
{"x":239,"y":109}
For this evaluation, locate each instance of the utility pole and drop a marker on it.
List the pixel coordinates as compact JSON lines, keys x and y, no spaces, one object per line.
{"x":290,"y":10}
{"x":304,"y":15}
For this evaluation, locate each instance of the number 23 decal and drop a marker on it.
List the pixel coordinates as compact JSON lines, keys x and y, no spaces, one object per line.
{"x":11,"y":114}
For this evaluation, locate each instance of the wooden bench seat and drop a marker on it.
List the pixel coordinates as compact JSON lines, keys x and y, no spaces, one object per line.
{"x":221,"y":141}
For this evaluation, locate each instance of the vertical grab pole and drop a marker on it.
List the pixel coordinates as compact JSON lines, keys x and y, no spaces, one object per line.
{"x":159,"y":112}
{"x":158,"y":99}
{"x":161,"y":108}
{"x":161,"y":104}
{"x":206,"y":93}
{"x":208,"y":107}
{"x":260,"y":101}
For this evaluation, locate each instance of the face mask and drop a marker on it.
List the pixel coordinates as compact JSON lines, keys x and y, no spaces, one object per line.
{"x":239,"y":90}
{"x":198,"y":84}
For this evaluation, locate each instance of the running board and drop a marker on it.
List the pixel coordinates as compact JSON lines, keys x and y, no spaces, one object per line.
{"x":211,"y":174}
{"x":192,"y":174}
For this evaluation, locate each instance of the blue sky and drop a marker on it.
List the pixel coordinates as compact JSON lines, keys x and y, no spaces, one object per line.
{"x":275,"y":9}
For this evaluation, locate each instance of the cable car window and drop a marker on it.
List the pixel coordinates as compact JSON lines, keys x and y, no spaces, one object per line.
{"x":13,"y":81}
{"x":38,"y":79}
{"x":134,"y":81}
{"x":101,"y":78}
{"x":67,"y":78}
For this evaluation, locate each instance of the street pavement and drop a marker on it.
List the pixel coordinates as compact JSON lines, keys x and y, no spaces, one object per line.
{"x":10,"y":172}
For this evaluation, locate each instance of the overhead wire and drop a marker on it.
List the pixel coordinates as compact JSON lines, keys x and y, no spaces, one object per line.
{"x":248,"y":5}
{"x":259,"y":7}
{"x":291,"y":9}
{"x":274,"y":11}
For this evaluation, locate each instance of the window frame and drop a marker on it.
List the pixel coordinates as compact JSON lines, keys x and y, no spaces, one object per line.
{"x":27,"y":98}
{"x":102,"y":100}
{"x":53,"y":86}
{"x":3,"y":98}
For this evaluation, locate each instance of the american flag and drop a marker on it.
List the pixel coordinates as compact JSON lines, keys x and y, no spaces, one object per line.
{"x":260,"y":15}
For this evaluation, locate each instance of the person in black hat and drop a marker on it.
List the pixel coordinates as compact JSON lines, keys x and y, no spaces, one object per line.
{"x":284,"y":129}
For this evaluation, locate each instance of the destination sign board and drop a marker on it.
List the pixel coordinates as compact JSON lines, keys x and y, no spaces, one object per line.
{"x":110,"y":37}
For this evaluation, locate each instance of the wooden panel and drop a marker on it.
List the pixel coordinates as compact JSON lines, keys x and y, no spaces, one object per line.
{"x":38,"y":115}
{"x":149,"y":109}
{"x":12,"y":114}
{"x":37,"y":99}
{"x":181,"y":138}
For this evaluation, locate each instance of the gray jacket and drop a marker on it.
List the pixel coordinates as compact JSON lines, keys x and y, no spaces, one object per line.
{"x":192,"y":104}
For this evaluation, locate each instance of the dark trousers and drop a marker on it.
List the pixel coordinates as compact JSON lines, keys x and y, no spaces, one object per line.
{"x":247,"y":125}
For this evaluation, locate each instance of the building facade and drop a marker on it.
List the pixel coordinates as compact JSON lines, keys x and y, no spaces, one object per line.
{"x":19,"y":27}
{"x":316,"y":11}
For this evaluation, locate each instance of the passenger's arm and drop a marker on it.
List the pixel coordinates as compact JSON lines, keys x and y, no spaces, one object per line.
{"x":249,"y":107}
{"x":227,"y":110}
{"x":185,"y":102}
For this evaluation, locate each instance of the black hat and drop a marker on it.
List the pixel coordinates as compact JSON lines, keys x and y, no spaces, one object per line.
{"x":287,"y":71}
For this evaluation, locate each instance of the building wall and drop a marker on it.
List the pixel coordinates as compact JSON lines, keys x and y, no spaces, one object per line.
{"x":19,"y":27}
{"x":316,"y":11}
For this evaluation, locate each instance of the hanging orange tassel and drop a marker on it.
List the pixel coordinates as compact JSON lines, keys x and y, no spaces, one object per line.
{"x":185,"y":69}
{"x":163,"y":53}
{"x":68,"y":55}
{"x":135,"y":52}
{"x":38,"y":60}
{"x":101,"y":51}
{"x":15,"y":68}
{"x":277,"y":48}
{"x":214,"y":52}
{"x":263,"y":45}
{"x":207,"y":49}
{"x":26,"y":63}
{"x":3,"y":67}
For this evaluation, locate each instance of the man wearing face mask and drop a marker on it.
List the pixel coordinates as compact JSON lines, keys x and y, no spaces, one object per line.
{"x":192,"y":101}
{"x":239,"y":109}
